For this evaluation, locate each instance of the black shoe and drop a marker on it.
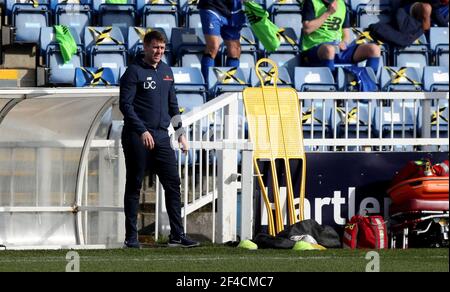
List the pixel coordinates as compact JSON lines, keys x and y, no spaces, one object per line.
{"x":182,"y":241}
{"x":131,"y":244}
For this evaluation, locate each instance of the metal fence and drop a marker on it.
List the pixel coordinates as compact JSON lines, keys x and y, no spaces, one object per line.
{"x":217,"y":168}
{"x":332,"y":122}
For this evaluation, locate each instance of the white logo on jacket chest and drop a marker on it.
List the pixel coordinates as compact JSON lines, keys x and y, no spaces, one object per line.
{"x":149,"y":85}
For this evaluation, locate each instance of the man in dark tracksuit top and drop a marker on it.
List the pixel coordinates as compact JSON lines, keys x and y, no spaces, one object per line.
{"x":148,"y":103}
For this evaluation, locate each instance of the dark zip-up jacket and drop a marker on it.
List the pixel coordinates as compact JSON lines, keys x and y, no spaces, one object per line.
{"x":439,"y":19}
{"x":147,"y":97}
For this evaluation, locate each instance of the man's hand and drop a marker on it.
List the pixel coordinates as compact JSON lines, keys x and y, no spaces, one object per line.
{"x":184,"y":144}
{"x":343,"y":46}
{"x":147,"y":140}
{"x":332,"y":8}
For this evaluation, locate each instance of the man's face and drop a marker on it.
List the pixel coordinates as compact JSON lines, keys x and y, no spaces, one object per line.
{"x":154,"y":51}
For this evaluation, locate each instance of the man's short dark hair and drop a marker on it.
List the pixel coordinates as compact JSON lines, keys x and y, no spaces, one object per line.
{"x":154,"y":35}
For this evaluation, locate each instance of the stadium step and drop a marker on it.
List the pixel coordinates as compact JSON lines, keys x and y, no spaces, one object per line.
{"x":147,"y":208}
{"x":147,"y":240}
{"x":146,"y":223}
{"x":17,"y":77}
{"x":21,"y":56}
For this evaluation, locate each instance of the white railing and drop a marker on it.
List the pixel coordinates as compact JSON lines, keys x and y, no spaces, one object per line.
{"x":210,"y":170}
{"x":220,"y":166}
{"x":387,"y":121}
{"x":219,"y":127}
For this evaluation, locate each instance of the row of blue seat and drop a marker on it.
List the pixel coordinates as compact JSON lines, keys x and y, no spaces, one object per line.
{"x":313,"y":79}
{"x":144,"y":13}
{"x":107,"y":47}
{"x":364,"y":12}
{"x":434,"y":79}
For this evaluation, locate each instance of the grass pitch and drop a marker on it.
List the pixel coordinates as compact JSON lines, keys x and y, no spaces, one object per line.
{"x":218,"y":258}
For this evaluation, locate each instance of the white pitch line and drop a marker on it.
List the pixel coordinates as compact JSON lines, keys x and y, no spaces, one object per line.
{"x":177,"y":258}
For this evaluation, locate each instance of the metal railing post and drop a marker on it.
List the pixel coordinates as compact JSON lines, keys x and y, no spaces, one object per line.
{"x":247,"y":195}
{"x":426,"y":121}
{"x":226,"y":178}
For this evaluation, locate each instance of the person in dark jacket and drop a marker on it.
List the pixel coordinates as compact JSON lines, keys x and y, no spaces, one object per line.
{"x":427,"y":12}
{"x":223,"y":18}
{"x":148,"y":104}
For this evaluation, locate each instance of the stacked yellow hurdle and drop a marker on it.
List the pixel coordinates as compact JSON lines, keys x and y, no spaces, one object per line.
{"x":273,"y":117}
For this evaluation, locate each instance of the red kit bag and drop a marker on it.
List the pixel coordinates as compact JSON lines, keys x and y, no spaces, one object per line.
{"x":365,"y":232}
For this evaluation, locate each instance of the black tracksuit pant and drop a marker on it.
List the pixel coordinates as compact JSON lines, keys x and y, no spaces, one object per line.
{"x":161,"y":160}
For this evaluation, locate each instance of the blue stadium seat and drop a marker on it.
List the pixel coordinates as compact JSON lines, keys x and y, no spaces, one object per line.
{"x":59,"y":73}
{"x":435,"y":79}
{"x":248,"y":49}
{"x":288,"y":54}
{"x":396,"y":120}
{"x":191,"y":93}
{"x":163,"y":14}
{"x":368,"y":12}
{"x":284,"y":79}
{"x":105,"y":47}
{"x":348,"y":82}
{"x":93,"y":76}
{"x":314,"y":79}
{"x":27,"y":19}
{"x":188,"y":45}
{"x":415,"y":55}
{"x":190,"y":87}
{"x":287,"y":60}
{"x":355,"y":5}
{"x":136,"y":42}
{"x":227,"y":79}
{"x":117,"y":15}
{"x":439,"y":45}
{"x":439,"y":116}
{"x":353,"y":118}
{"x":400,"y":79}
{"x":77,"y":16}
{"x":189,"y":101}
{"x":188,"y":79}
{"x":191,"y":13}
{"x":287,"y":13}
{"x":316,"y":118}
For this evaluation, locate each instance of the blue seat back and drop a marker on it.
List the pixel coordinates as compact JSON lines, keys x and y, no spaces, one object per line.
{"x":224,"y":79}
{"x":118,"y":15}
{"x":105,"y":47}
{"x":400,"y":79}
{"x":314,"y":79}
{"x":28,"y":19}
{"x":436,"y":79}
{"x":77,"y":16}
{"x":163,"y":15}
{"x":59,"y":72}
{"x":395,"y":119}
{"x":415,"y":55}
{"x":348,"y":82}
{"x":187,"y":40}
{"x":439,"y":45}
{"x":316,"y":118}
{"x":188,"y":79}
{"x":284,"y":79}
{"x":352,"y":117}
{"x":136,"y":39}
{"x":85,"y":77}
